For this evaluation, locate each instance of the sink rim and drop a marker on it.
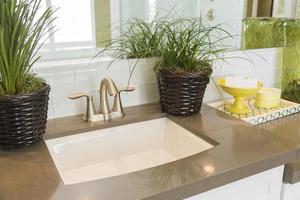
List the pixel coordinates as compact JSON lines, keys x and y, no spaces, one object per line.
{"x":112,"y":124}
{"x":200,"y":136}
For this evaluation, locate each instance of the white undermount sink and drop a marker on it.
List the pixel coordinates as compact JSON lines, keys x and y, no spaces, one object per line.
{"x":120,"y":150}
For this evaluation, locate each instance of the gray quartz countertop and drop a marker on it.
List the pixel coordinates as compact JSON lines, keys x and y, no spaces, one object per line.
{"x":240,"y":150}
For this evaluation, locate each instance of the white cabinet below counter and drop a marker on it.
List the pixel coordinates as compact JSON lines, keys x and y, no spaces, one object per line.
{"x":290,"y":191}
{"x":263,"y":186}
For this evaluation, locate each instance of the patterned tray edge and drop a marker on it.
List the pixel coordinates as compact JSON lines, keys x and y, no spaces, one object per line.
{"x":263,"y":118}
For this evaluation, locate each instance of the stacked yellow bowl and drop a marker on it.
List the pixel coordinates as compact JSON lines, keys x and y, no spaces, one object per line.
{"x":268,"y":98}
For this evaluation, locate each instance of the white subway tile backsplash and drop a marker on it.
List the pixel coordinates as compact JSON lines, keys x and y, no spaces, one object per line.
{"x":213,"y":91}
{"x":130,"y":98}
{"x":64,"y":82}
{"x":48,"y":77}
{"x":142,"y":74}
{"x":101,"y":70}
{"x":63,"y":106}
{"x":147,"y":93}
{"x":85,"y":80}
{"x":66,"y":78}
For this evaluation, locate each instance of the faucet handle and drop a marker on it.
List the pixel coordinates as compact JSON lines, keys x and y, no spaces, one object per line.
{"x":117,"y":106}
{"x":126,"y":89}
{"x":79,"y":95}
{"x":90,"y":108}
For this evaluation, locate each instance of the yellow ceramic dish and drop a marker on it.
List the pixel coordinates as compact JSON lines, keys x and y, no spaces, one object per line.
{"x":268,"y":98}
{"x":239,"y":94}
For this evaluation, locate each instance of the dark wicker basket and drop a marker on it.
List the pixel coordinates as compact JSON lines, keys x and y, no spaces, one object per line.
{"x":181,"y":93}
{"x":23,"y":118}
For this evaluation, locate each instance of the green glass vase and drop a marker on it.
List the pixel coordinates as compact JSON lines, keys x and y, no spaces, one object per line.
{"x":264,"y":32}
{"x":291,"y":61}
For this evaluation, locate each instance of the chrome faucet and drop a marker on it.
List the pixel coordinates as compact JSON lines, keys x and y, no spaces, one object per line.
{"x":107,"y":86}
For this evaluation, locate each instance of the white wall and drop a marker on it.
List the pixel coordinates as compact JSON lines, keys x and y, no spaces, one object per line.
{"x":230,"y":21}
{"x":229,"y":14}
{"x":68,"y":77}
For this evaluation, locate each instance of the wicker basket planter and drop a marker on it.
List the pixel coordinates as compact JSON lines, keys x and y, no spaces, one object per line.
{"x":181,"y":93}
{"x":23,"y":118}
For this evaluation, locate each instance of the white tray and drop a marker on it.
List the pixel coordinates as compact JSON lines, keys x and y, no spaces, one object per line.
{"x":259,"y":115}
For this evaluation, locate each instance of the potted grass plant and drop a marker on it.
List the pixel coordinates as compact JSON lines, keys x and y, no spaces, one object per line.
{"x":23,"y":95}
{"x":184,"y":67}
{"x":184,"y":49}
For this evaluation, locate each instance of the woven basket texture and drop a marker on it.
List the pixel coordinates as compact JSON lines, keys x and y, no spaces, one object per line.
{"x":181,"y":93}
{"x":23,"y":118}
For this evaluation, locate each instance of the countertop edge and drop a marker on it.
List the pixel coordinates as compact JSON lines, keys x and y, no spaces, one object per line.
{"x":222,"y":179}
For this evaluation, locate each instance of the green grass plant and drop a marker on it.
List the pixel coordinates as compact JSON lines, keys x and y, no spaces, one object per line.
{"x":189,"y":45}
{"x":22,"y":34}
{"x":180,"y":44}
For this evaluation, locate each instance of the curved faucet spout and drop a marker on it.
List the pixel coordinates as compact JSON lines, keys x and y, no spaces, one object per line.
{"x":108,"y":86}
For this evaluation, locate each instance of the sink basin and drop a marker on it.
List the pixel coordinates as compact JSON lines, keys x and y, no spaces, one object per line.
{"x":120,"y":150}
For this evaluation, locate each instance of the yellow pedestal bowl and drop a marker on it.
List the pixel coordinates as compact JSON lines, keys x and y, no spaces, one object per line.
{"x":240,"y":95}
